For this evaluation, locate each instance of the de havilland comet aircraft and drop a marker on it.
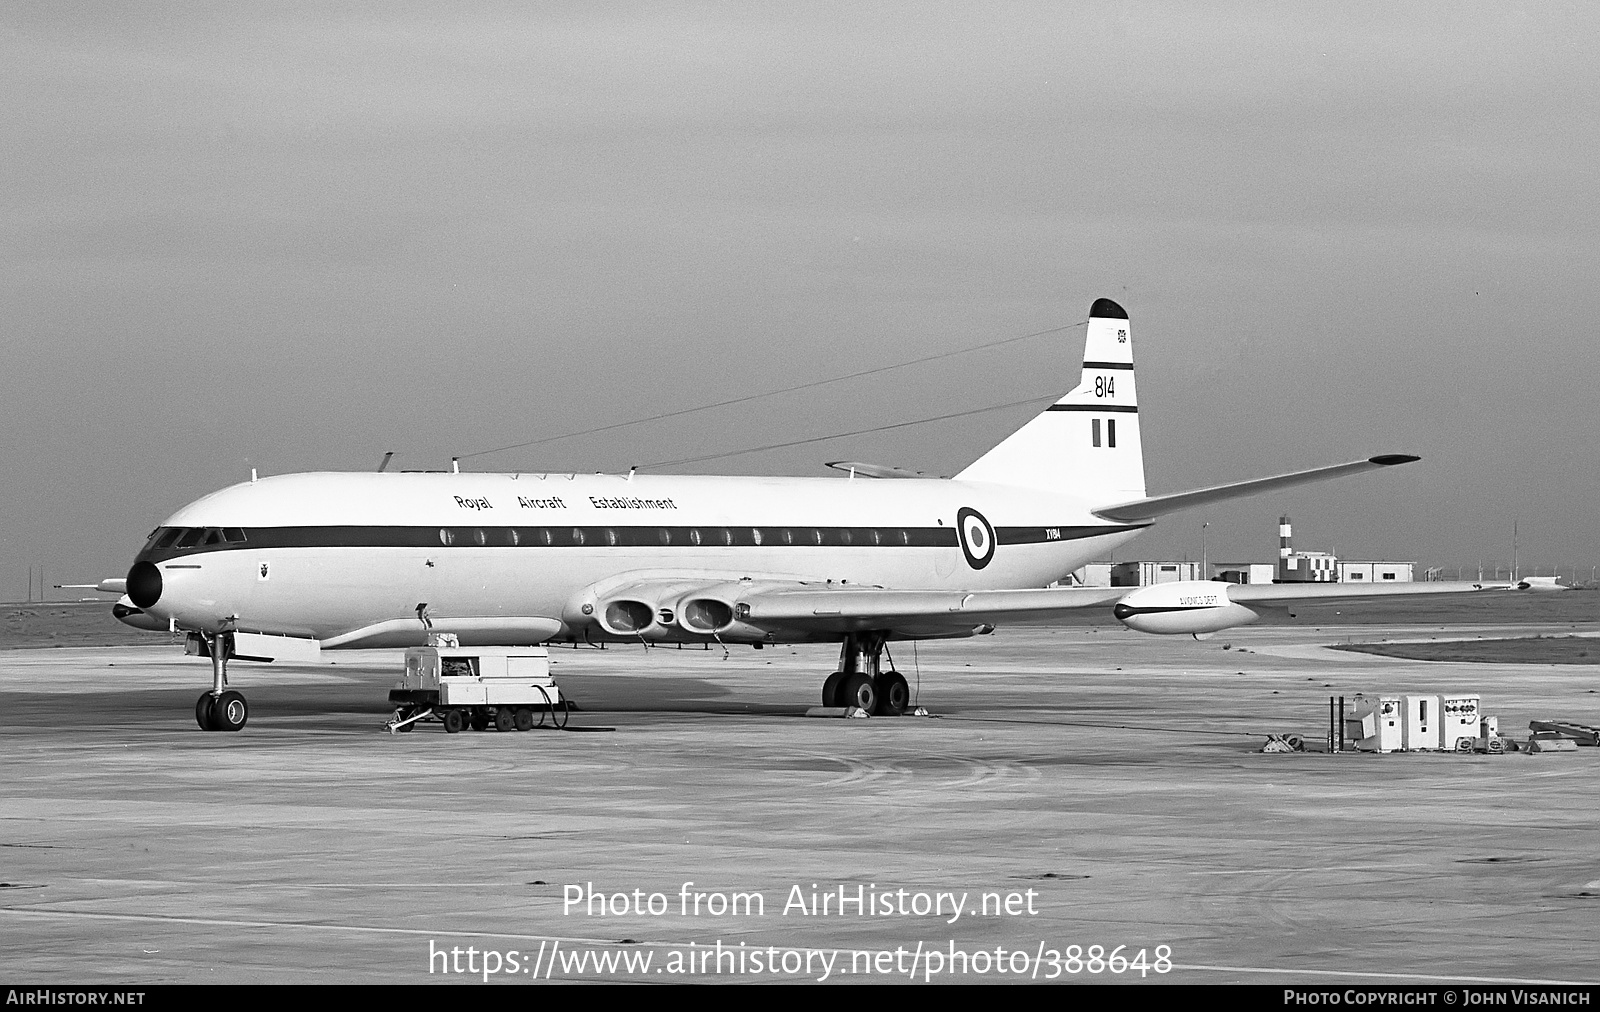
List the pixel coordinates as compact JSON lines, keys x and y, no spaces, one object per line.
{"x":287,"y":566}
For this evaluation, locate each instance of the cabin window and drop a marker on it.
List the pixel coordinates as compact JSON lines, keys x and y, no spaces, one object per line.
{"x":547,"y":536}
{"x":845,"y":537}
{"x":611,"y":536}
{"x":512,"y":537}
{"x":905,"y":537}
{"x":447,"y":536}
{"x":577,"y":535}
{"x":755,"y":535}
{"x":727,"y":536}
{"x":1094,"y":430}
{"x":816,"y":536}
{"x":1111,"y":432}
{"x":665,"y":534}
{"x":694,"y":536}
{"x":787,"y":537}
{"x":877,"y":537}
{"x":480,"y":537}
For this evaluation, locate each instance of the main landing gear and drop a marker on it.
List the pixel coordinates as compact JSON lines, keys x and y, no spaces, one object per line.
{"x":221,"y":708}
{"x":862,"y":683}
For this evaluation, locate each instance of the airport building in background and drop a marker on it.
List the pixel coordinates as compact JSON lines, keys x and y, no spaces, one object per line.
{"x":1292,"y":567}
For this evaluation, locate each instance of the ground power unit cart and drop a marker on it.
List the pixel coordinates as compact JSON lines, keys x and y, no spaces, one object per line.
{"x":507,"y":688}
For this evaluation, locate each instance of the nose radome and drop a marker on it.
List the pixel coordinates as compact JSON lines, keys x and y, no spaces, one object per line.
{"x":144,"y":584}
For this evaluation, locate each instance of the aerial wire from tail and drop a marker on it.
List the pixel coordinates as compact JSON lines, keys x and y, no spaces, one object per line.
{"x":774,"y":393}
{"x":856,"y":432}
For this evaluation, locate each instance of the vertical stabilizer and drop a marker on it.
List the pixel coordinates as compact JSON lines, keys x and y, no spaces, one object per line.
{"x":1087,"y":443}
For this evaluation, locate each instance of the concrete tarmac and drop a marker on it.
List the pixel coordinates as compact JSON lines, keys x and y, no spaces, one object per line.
{"x":1101,"y":787}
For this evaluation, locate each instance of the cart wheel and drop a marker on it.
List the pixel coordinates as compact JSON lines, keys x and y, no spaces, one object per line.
{"x":503,"y":721}
{"x":454,"y":721}
{"x":523,"y":718}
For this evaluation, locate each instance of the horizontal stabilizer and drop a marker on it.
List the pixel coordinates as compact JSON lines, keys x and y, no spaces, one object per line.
{"x":875,"y":470}
{"x":1160,"y":505}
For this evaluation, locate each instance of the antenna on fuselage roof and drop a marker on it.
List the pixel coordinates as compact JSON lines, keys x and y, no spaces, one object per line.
{"x":386,"y":458}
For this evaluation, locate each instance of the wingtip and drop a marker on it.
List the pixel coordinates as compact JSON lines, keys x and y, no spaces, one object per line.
{"x":1391,"y":459}
{"x":1105,"y":309}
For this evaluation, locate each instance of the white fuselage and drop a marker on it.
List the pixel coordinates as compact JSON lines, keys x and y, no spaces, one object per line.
{"x":318,"y":554}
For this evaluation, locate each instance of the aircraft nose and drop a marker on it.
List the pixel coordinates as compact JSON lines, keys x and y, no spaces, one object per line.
{"x":144,"y":584}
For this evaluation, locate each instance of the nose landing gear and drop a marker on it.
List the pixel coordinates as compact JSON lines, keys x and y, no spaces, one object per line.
{"x":221,"y":708}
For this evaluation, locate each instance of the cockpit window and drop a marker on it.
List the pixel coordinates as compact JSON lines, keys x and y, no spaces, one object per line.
{"x":233,"y":535}
{"x":191,"y":537}
{"x":213,"y":536}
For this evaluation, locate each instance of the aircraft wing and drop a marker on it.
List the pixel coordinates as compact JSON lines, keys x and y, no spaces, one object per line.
{"x":1154,"y":506}
{"x":1161,"y":608}
{"x":1287,"y":593}
{"x":908,"y":612}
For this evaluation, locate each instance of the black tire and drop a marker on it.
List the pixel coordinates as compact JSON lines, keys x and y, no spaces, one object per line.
{"x":230,"y":712}
{"x":894,"y":695}
{"x":523,"y":719}
{"x":202,"y":711}
{"x":504,"y":721}
{"x":407,"y":714}
{"x":860,"y":691}
{"x":480,"y":720}
{"x":454,"y":721}
{"x":830,"y":690}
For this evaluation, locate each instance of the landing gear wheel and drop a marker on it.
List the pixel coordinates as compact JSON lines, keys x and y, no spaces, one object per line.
{"x":523,"y":719}
{"x":230,"y":712}
{"x":503,"y":720}
{"x":202,"y":711}
{"x":480,"y":721}
{"x":894,"y":695}
{"x":861,"y":691}
{"x":830,"y":690}
{"x":454,"y":721}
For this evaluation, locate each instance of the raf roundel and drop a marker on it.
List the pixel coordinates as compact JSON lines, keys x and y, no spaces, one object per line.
{"x":977,"y":537}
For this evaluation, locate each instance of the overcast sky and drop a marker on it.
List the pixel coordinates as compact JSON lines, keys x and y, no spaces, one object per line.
{"x":294,"y":237}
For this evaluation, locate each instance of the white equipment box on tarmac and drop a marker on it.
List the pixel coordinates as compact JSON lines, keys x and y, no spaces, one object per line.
{"x":482,"y":676}
{"x":1374,"y":723}
{"x":1423,"y":723}
{"x":1462,"y":719}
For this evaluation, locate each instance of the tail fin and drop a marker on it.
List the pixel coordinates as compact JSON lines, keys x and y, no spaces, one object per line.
{"x":1086,"y":444}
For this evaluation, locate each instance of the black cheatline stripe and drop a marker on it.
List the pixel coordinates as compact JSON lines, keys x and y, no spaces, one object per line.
{"x":1045,"y":535}
{"x":567,"y":536}
{"x":1109,"y":365}
{"x":1096,"y":408}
